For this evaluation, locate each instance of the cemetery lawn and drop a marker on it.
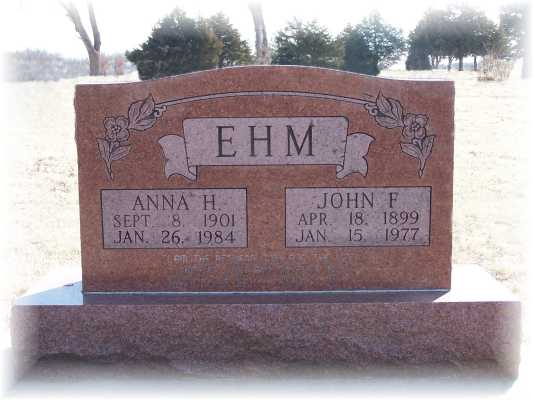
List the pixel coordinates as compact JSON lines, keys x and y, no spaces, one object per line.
{"x":41,"y":217}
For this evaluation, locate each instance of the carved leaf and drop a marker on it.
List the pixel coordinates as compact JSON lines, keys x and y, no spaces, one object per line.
{"x":390,"y":112}
{"x":412,"y":150}
{"x":387,"y":122}
{"x":384,"y":106}
{"x":427,"y":145}
{"x":396,"y":110}
{"x":120,"y":153}
{"x":141,"y":114}
{"x":105,"y":153}
{"x":103,"y":147}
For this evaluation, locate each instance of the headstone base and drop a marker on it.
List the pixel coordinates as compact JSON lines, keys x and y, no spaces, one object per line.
{"x":477,"y":320}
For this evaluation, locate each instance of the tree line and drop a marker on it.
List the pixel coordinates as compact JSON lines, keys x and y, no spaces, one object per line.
{"x":462,"y":31}
{"x":180,"y":44}
{"x":40,"y":65}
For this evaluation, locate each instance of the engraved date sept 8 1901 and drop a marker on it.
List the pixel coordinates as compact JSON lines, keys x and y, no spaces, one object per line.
{"x":174,"y":218}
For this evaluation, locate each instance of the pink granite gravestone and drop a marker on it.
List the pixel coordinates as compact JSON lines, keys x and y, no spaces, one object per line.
{"x":299,"y":212}
{"x":271,"y":178}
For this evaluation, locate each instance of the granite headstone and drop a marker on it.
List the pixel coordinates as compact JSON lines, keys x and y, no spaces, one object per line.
{"x":244,"y":214}
{"x":273,"y":178}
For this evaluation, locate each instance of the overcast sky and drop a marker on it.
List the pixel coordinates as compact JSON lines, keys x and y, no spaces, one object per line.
{"x":124,"y":24}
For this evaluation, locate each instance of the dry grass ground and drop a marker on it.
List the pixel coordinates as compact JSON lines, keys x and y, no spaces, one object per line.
{"x":490,"y":174}
{"x":40,"y":167}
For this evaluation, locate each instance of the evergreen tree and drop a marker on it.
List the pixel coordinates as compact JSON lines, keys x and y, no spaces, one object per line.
{"x":456,"y":32}
{"x":179,"y":44}
{"x":305,"y":44}
{"x":418,"y":55}
{"x":514,"y":24}
{"x":384,"y":41}
{"x":486,"y":37}
{"x":371,"y":46}
{"x":357,"y":54}
{"x":435,"y":31}
{"x":234,"y":50}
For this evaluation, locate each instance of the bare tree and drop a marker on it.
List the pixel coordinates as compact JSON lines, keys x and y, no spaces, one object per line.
{"x":262,"y":51}
{"x":93,"y":47}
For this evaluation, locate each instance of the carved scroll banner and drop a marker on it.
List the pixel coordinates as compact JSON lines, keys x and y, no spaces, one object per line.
{"x":265,"y":141}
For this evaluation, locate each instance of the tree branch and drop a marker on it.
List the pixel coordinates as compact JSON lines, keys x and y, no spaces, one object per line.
{"x":74,"y":16}
{"x":261,"y":42}
{"x":94,"y":27}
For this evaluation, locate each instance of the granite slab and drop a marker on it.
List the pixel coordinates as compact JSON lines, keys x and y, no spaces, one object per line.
{"x":477,"y":320}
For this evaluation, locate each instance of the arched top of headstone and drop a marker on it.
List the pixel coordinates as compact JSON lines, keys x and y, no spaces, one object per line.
{"x":265,"y":178}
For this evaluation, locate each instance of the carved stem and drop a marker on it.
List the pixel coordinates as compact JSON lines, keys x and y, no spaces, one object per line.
{"x":346,"y":99}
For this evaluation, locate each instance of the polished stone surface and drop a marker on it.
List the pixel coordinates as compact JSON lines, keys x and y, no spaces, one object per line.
{"x":477,"y":320}
{"x":191,"y":136}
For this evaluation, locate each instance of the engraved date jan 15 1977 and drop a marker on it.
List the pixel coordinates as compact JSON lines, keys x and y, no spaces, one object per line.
{"x":322,"y":217}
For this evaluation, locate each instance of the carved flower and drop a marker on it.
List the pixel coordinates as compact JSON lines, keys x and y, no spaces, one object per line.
{"x":116,"y":129}
{"x":414,"y":126}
